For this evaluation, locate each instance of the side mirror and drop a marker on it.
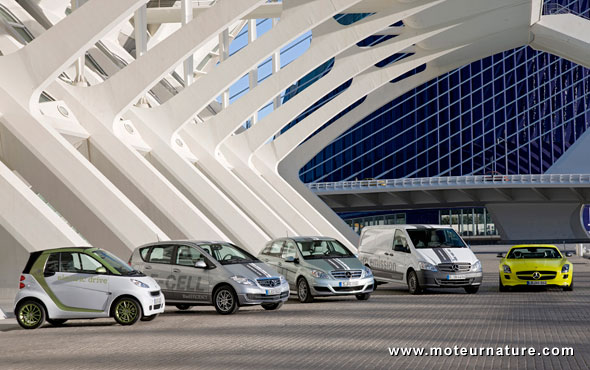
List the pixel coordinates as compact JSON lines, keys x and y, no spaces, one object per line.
{"x":101,"y":270}
{"x":569,"y":254}
{"x":291,"y":259}
{"x":201,"y":265}
{"x":500,"y":255}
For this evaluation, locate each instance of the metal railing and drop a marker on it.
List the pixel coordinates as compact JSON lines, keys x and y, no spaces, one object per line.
{"x":555,"y":8}
{"x":453,"y":181}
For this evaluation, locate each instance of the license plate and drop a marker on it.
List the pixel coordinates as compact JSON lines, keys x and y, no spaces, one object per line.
{"x":348,"y":283}
{"x":157,"y":301}
{"x":273,"y":291}
{"x":456,"y":277}
{"x":536,"y":283}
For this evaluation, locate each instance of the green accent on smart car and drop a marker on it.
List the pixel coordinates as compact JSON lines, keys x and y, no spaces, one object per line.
{"x":126,"y":311}
{"x":37,"y":273}
{"x":30,"y":314}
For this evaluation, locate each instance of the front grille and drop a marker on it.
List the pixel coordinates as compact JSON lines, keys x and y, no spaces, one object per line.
{"x":346,"y":274}
{"x":269,"y":282}
{"x":322,"y":289}
{"x":155,"y":293}
{"x":453,"y":282}
{"x":454,"y":267}
{"x":528,"y":275}
{"x":347,"y":288}
{"x":157,"y":307}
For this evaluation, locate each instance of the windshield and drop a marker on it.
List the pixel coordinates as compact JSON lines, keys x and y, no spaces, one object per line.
{"x":316,"y":249}
{"x":228,"y":254}
{"x":435,"y":238}
{"x":115,"y":262}
{"x":533,"y":252}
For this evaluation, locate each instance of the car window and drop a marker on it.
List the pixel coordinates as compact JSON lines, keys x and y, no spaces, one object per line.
{"x":400,"y":239}
{"x":275,"y":248}
{"x":266,"y":250}
{"x":289,"y":250}
{"x":143,"y":253}
{"x":188,"y":256}
{"x":316,"y":249}
{"x":533,"y":252}
{"x":69,"y":262}
{"x":161,"y":254}
{"x":52,"y":264}
{"x":434,"y":238}
{"x":89,"y":264}
{"x":228,"y":254}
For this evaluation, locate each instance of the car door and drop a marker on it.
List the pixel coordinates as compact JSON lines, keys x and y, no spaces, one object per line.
{"x":384,"y":266}
{"x":289,"y":269}
{"x":75,"y":282}
{"x":273,"y":255}
{"x":401,"y":254}
{"x":192,"y":283}
{"x":158,"y":266}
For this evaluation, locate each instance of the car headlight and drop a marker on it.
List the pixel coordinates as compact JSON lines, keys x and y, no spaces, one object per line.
{"x":427,"y":266}
{"x":242,"y":280}
{"x":476,"y":266}
{"x":140,"y":283}
{"x":506,"y":269}
{"x":319,"y":274}
{"x":565,"y":268}
{"x":283,"y":280}
{"x":368,"y":272}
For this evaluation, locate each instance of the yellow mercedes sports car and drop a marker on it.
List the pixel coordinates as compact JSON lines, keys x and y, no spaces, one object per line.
{"x":536,"y":265}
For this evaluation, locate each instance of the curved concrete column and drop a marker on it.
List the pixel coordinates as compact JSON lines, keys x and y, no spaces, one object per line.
{"x":29,"y":70}
{"x":565,"y":35}
{"x":75,"y":188}
{"x":98,"y":108}
{"x":269,"y":156}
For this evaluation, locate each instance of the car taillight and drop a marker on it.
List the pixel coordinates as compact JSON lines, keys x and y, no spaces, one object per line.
{"x":21,"y":284}
{"x":22,"y":277}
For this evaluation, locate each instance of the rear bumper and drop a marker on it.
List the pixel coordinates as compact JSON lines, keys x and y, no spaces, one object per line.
{"x":440,"y":279}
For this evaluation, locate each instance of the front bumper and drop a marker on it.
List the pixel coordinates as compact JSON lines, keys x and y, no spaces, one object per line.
{"x":325,"y":287}
{"x":561,"y":279}
{"x":441,"y":279}
{"x":253,"y":295}
{"x":151,"y":303}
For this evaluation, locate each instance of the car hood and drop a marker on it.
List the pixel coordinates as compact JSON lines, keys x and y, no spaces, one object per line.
{"x":253,"y":270}
{"x":331,"y":264}
{"x":535,"y":263}
{"x":447,"y":255}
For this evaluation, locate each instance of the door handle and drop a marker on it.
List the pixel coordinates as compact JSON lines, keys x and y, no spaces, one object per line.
{"x":388,"y":254}
{"x":175,"y":270}
{"x":148,"y":267}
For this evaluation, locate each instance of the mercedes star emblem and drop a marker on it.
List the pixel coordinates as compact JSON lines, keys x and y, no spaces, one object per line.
{"x":536,"y":275}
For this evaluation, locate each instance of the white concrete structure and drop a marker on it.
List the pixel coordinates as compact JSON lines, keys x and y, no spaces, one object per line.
{"x":130,"y":152}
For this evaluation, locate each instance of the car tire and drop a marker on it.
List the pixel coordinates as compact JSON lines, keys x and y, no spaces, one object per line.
{"x":56,"y":322}
{"x":570,"y":287}
{"x":225,"y":300}
{"x":149,"y":318}
{"x":303,"y":291}
{"x":183,"y":307}
{"x":363,"y":296}
{"x":272,"y":306}
{"x":471,"y":289}
{"x":127,"y":311}
{"x":502,"y":287}
{"x":30,"y":314}
{"x":413,"y":283}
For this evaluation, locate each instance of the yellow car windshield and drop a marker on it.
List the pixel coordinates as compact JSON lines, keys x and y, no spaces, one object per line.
{"x":533,"y":252}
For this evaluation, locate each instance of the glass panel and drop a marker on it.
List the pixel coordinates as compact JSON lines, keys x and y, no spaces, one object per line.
{"x":162,"y":254}
{"x":89,"y":264}
{"x":4,"y":13}
{"x":188,"y":256}
{"x":52,"y":264}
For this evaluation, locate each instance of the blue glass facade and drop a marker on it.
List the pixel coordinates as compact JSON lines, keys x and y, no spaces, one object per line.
{"x":515,"y":112}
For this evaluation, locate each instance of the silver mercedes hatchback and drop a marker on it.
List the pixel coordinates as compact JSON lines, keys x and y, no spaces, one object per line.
{"x":192,"y":273}
{"x":319,"y":266}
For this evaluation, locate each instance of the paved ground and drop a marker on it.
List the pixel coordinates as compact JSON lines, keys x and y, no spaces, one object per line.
{"x":332,"y":333}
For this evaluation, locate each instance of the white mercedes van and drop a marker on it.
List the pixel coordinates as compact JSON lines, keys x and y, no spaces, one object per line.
{"x":420,"y":256}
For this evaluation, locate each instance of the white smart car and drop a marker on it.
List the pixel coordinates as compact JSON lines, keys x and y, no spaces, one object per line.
{"x":84,"y":283}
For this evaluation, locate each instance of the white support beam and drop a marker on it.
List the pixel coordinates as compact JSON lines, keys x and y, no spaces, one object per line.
{"x":187,"y":16}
